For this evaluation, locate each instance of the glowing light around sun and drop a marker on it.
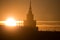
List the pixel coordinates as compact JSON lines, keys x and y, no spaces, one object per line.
{"x":10,"y":22}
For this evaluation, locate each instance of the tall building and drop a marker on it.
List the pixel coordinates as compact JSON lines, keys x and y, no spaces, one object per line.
{"x":30,"y":22}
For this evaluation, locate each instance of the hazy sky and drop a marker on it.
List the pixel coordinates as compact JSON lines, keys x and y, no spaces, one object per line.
{"x":43,"y":10}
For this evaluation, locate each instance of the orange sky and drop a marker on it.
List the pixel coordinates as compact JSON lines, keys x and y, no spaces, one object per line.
{"x":44,"y":10}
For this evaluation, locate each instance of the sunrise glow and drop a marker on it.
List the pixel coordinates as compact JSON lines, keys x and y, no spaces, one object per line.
{"x":10,"y":22}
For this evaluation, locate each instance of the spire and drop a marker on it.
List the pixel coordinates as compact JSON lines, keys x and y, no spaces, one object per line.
{"x":30,"y":4}
{"x":30,"y":9}
{"x":30,"y":15}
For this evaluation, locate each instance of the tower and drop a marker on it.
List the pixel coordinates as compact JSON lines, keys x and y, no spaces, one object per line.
{"x":30,"y":22}
{"x":30,"y":15}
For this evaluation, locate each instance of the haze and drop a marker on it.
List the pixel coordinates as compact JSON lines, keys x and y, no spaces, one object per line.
{"x":44,"y":10}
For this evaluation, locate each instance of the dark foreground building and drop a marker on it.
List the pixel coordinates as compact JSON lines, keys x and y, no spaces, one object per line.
{"x":29,"y":31}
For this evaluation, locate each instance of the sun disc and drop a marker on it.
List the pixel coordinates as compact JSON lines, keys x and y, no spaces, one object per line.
{"x":10,"y":22}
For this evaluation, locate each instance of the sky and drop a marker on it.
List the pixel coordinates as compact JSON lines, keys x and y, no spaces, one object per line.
{"x":43,"y":10}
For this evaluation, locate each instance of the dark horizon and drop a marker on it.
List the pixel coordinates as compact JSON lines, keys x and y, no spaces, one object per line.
{"x":14,"y":13}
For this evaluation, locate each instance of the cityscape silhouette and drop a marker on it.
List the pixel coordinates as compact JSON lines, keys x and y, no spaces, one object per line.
{"x":29,"y":31}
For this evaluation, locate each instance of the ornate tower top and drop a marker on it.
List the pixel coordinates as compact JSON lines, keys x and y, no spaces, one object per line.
{"x":30,"y":23}
{"x":30,"y":15}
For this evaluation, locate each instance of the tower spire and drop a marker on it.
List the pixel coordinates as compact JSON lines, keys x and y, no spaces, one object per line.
{"x":30,"y":4}
{"x":30,"y":9}
{"x":30,"y":15}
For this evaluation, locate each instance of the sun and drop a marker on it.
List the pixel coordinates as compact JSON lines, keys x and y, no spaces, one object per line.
{"x":10,"y":22}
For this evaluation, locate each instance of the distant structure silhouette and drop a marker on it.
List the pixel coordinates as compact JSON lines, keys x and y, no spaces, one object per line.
{"x":29,"y":30}
{"x":30,"y":22}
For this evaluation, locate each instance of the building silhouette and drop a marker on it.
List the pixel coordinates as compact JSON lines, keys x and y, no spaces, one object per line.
{"x":30,"y":22}
{"x":29,"y":31}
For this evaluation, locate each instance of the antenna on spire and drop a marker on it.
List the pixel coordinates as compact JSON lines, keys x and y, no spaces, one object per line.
{"x":30,"y":4}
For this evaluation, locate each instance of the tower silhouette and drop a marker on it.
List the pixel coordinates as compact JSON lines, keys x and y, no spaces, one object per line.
{"x":30,"y":15}
{"x":30,"y":22}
